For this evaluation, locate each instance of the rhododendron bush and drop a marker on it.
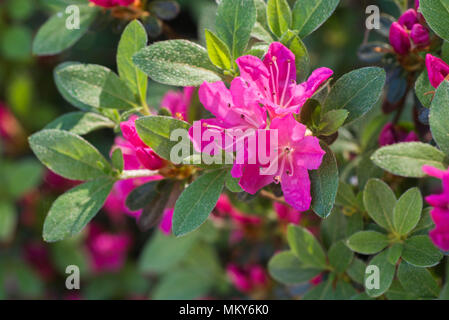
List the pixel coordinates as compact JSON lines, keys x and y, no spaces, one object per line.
{"x":245,"y":162}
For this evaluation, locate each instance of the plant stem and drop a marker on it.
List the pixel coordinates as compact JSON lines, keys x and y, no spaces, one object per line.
{"x":271,"y":196}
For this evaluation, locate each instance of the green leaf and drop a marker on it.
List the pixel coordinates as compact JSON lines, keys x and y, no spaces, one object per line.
{"x":425,"y":224}
{"x":234,"y":23}
{"x":407,"y":159}
{"x":333,"y":228}
{"x":417,"y":281}
{"x":324,"y":184}
{"x":356,"y":271}
{"x":261,"y":34}
{"x":95,"y":86}
{"x":419,"y":251}
{"x":72,"y":211}
{"x":162,"y":252}
{"x":306,"y":247}
{"x":395,"y":252}
{"x":68,"y":155}
{"x":357,"y":91}
{"x":19,"y":177}
{"x":309,"y":15}
{"x":117,"y":160}
{"x":54,"y":37}
{"x":423,"y":86}
{"x":367,"y":242}
{"x":436,"y":13}
{"x":332,"y":121}
{"x":279,"y":16}
{"x":8,"y":221}
{"x":386,"y":274}
{"x":197,"y":202}
{"x":232,"y":184}
{"x":142,"y":195}
{"x":134,"y":38}
{"x":397,"y":292}
{"x":286,"y":268}
{"x":302,"y":59}
{"x":177,"y":63}
{"x":218,"y":51}
{"x":439,"y":117}
{"x":379,"y":201}
{"x":323,"y":291}
{"x":407,"y":211}
{"x":155,"y":131}
{"x":340,"y":257}
{"x":346,"y":196}
{"x":80,"y":123}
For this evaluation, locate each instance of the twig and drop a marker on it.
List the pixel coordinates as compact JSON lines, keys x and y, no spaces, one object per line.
{"x":271,"y":196}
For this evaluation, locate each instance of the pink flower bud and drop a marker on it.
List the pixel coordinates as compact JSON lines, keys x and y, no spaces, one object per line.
{"x":420,"y":35}
{"x":399,"y":39}
{"x":408,"y":19}
{"x":437,"y":69}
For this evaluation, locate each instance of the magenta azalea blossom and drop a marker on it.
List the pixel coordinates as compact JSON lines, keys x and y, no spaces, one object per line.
{"x":296,"y":154}
{"x":247,"y":279}
{"x":437,"y":69}
{"x":112,"y":3}
{"x":440,"y":211}
{"x":274,"y":80}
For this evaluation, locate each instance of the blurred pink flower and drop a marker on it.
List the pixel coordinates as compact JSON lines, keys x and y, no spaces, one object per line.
{"x":178,"y":102}
{"x":287,"y":214}
{"x":58,"y":183}
{"x":37,"y":255}
{"x":440,"y":211}
{"x":317,"y":280}
{"x":247,"y":279}
{"x":107,"y":251}
{"x":225,"y":208}
{"x":392,"y":134}
{"x":437,"y":69}
{"x":166,"y":223}
{"x":112,"y":3}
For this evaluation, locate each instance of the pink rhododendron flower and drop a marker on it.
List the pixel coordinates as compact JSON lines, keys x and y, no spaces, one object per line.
{"x":440,"y":211}
{"x":274,"y":80}
{"x":112,"y":3}
{"x":166,"y":223}
{"x":287,"y":214}
{"x":408,"y":19}
{"x":399,"y":39}
{"x":248,"y":278}
{"x":296,"y":154}
{"x":420,"y":35}
{"x":107,"y":251}
{"x":392,"y":134}
{"x":437,"y":69}
{"x":178,"y":102}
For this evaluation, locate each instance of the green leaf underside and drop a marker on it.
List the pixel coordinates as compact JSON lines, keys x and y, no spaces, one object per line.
{"x":72,"y":211}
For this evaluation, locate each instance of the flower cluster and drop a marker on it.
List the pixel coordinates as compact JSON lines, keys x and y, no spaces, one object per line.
{"x":266,"y":96}
{"x":392,"y":134}
{"x":440,"y":211}
{"x":112,"y":3}
{"x":409,"y":32}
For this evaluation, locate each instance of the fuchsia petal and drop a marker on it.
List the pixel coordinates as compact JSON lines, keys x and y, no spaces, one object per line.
{"x":289,"y":130}
{"x":149,"y":159}
{"x":129,"y":132}
{"x":308,"y":153}
{"x":399,"y":39}
{"x":409,"y":18}
{"x":316,"y":79}
{"x":216,"y":98}
{"x":252,"y":181}
{"x":254,"y":72}
{"x":296,"y":189}
{"x":280,"y":55}
{"x":166,"y":223}
{"x":287,"y":213}
{"x":112,"y":3}
{"x":437,"y":69}
{"x":433,"y":172}
{"x":440,"y":238}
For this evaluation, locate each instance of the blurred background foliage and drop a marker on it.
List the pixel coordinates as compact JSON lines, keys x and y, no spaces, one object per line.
{"x":31,"y":269}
